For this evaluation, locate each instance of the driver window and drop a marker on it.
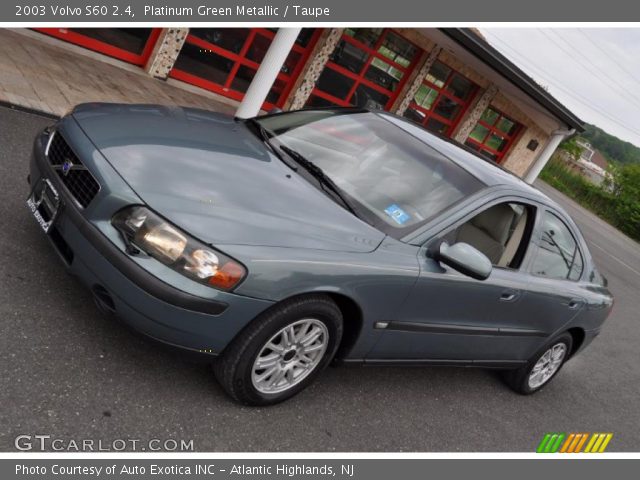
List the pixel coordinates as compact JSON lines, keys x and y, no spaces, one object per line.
{"x":501,"y":232}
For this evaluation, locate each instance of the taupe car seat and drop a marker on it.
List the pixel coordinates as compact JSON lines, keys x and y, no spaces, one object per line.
{"x":489,"y":231}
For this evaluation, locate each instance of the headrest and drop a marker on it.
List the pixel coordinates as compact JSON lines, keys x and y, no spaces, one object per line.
{"x":496,"y":222}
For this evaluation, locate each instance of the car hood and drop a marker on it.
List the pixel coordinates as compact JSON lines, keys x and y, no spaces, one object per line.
{"x":209,"y":175}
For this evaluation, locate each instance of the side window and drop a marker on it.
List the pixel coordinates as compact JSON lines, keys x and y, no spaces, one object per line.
{"x":558,"y":255}
{"x":501,"y":232}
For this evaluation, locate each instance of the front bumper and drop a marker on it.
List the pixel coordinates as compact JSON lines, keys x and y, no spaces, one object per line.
{"x":144,"y":301}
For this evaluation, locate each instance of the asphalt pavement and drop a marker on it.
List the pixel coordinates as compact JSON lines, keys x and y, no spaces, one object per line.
{"x":68,"y":371}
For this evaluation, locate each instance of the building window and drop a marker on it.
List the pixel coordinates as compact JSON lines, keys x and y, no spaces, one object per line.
{"x":441,"y":100}
{"x":367,"y":69}
{"x":493,"y":135}
{"x":131,"y":45}
{"x":225,"y":60}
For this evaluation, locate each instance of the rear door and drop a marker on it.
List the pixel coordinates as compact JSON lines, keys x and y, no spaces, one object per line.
{"x":557,"y":266}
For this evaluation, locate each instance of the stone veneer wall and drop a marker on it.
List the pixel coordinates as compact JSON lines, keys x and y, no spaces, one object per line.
{"x":519,"y":158}
{"x":414,"y":83}
{"x":165,"y":52}
{"x":309,"y":76}
{"x":473,"y":114}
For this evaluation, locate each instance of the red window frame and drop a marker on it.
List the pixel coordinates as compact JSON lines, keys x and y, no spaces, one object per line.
{"x":359,"y":78}
{"x":494,"y":129}
{"x":240,"y":59}
{"x":442,"y":91}
{"x":70,"y":36}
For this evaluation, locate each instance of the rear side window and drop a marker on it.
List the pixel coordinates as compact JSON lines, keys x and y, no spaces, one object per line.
{"x":558,"y":256}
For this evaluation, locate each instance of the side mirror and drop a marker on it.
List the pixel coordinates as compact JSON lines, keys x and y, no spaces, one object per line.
{"x":463,"y":258}
{"x":275,"y":110}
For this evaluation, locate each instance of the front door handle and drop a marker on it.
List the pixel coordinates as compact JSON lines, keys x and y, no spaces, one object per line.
{"x":575,"y":303}
{"x":509,"y":295}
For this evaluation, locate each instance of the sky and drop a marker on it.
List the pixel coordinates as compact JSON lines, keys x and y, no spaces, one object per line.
{"x":595,"y":72}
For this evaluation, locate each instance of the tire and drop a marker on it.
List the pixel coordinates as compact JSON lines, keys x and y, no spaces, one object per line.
{"x":269,"y":337}
{"x":522,"y":381}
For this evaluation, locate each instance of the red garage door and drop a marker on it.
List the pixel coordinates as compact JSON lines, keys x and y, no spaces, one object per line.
{"x":367,"y":69}
{"x":442,"y":99}
{"x":224,"y":60}
{"x":132,"y":45}
{"x":494,"y":134}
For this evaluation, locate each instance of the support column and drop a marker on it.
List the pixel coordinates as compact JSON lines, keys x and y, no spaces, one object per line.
{"x":309,"y":76}
{"x":415,"y":84}
{"x":474,"y":113}
{"x":544,"y":156}
{"x":165,"y":52}
{"x":267,"y":72}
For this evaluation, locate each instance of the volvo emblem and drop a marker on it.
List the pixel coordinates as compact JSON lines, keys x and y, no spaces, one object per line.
{"x":66,"y":167}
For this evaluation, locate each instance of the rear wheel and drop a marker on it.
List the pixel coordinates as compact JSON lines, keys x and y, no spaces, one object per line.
{"x":282,"y":351}
{"x":542,"y":368}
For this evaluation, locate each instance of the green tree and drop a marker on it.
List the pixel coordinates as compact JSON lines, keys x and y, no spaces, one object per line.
{"x":627,"y":193}
{"x":571,"y":147}
{"x":613,"y":148}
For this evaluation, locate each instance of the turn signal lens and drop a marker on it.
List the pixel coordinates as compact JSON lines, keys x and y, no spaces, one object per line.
{"x":228,"y":276}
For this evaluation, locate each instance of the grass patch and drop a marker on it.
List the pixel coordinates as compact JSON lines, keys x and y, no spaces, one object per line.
{"x":606,"y":205}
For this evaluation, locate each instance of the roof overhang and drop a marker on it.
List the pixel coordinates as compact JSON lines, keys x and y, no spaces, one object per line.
{"x":484,"y":52}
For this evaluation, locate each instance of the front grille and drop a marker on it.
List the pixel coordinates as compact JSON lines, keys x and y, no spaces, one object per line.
{"x":72,"y":172}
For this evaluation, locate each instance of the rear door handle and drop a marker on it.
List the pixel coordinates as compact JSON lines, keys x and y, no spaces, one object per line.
{"x":509,"y":295}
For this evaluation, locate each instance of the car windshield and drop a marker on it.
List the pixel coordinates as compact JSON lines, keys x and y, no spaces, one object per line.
{"x":395,"y":176}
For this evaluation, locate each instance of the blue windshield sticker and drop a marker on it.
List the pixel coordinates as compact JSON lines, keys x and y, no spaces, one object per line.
{"x":399,"y":216}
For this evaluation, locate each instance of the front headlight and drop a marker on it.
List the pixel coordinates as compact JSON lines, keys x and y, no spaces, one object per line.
{"x":169,"y":245}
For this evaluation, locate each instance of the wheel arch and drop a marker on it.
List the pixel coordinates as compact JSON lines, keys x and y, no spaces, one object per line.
{"x":352,"y":317}
{"x":352,"y":320}
{"x":577,"y":335}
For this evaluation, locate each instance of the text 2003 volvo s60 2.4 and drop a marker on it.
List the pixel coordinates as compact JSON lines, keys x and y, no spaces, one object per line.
{"x":279,"y":243}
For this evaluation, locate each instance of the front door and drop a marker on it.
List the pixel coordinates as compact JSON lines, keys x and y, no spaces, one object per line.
{"x":449,"y":316}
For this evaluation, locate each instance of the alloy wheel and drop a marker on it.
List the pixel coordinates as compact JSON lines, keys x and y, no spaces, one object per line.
{"x":289,"y":356}
{"x":547,"y":365}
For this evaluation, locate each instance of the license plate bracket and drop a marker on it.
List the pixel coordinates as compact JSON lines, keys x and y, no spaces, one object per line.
{"x":44,"y":204}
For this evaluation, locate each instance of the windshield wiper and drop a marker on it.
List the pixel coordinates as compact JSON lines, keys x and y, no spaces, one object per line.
{"x":265,"y":135}
{"x":318,"y":173}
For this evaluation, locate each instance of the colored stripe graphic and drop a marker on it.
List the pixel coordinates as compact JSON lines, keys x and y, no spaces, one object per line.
{"x":598,"y":442}
{"x":573,"y":442}
{"x":606,"y":441}
{"x":543,"y":443}
{"x":550,"y":443}
{"x":557,"y":443}
{"x":581,"y":443}
{"x":567,"y":442}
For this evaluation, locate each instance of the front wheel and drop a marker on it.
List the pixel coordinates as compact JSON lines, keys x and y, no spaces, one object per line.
{"x":282,"y":351}
{"x":541,"y":369}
